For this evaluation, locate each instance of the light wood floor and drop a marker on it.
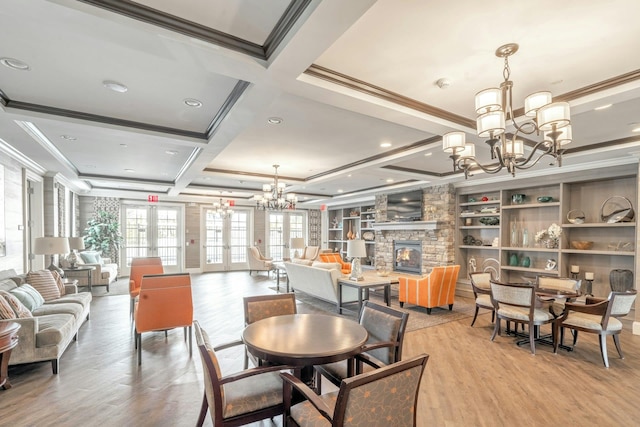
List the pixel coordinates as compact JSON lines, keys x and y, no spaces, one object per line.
{"x":469,"y":381}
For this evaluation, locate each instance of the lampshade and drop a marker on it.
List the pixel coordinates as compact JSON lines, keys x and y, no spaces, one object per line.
{"x":76,"y":243}
{"x":51,"y":246}
{"x":488,"y":100}
{"x":534,"y":101}
{"x":356,"y":249}
{"x":565,"y":136}
{"x":297,"y":243}
{"x":490,"y":124}
{"x":453,"y":140}
{"x":514,"y":148}
{"x":469,"y":150}
{"x":553,"y":115}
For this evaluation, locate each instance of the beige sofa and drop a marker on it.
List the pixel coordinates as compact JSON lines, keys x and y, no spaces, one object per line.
{"x":319,"y":280}
{"x":104,"y":274}
{"x":46,"y":335}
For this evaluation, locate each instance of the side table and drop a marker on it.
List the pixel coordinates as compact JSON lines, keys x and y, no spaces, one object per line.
{"x":8,"y":340}
{"x":87,"y":269}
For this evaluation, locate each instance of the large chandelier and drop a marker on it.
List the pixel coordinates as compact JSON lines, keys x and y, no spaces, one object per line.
{"x":494,"y":108}
{"x":273,"y":197}
{"x":223,"y":209}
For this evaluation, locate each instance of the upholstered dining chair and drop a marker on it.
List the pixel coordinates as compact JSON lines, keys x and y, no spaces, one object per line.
{"x":383,"y":397}
{"x":481,"y":285}
{"x":259,"y":262}
{"x":558,"y":284}
{"x":621,"y":280}
{"x":139,"y":267}
{"x":436,"y":289}
{"x":386,"y":327}
{"x":238,"y":398}
{"x":262,"y":306}
{"x":598,"y":316}
{"x":165,"y":302}
{"x":517,"y":302}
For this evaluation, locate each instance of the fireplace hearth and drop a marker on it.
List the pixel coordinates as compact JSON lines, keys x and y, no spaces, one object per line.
{"x":407,"y":256}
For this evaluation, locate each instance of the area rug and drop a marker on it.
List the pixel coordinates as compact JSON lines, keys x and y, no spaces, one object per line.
{"x":418,"y":317}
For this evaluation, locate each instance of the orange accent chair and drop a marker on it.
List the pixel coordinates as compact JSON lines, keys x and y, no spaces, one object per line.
{"x":140,"y":267}
{"x":165,"y":302}
{"x":345,"y":267}
{"x":436,"y":289}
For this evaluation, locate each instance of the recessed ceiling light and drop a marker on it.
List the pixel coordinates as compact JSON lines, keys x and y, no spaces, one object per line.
{"x":192,"y":102}
{"x":428,"y":154}
{"x":389,"y":179}
{"x":171,"y":152}
{"x":15,"y":64}
{"x":349,"y":176}
{"x":340,"y":190}
{"x":274,"y":120}
{"x":603,"y":107}
{"x":123,"y":145}
{"x":385,"y":145}
{"x":115,"y":86}
{"x":636,"y":129}
{"x":130,"y":170}
{"x":68,"y":137}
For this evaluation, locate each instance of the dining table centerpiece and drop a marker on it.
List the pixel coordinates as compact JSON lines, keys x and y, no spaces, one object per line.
{"x":550,"y":238}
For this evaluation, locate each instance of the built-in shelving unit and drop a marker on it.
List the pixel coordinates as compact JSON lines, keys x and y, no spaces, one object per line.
{"x":351,"y":223}
{"x":511,"y":242}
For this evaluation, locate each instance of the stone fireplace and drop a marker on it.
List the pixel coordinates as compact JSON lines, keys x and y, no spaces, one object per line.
{"x":407,"y":256}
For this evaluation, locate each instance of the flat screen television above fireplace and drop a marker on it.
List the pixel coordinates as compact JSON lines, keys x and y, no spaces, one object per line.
{"x":405,"y":206}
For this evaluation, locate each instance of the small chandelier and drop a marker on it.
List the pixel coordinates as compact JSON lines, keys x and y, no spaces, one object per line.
{"x":274,"y":198}
{"x":494,"y":108}
{"x":223,"y":209}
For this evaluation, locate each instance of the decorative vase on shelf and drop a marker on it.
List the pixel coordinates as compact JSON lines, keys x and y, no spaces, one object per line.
{"x":525,"y":238}
{"x":551,"y":243}
{"x":514,"y":234}
{"x":513,"y":260}
{"x":526,"y":262}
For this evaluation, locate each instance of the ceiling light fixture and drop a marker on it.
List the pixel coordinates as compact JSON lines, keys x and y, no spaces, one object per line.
{"x":68,"y":137}
{"x":636,"y":129}
{"x":223,"y":209}
{"x":494,"y":108}
{"x":385,"y":145}
{"x":15,"y":64}
{"x":171,"y":152}
{"x":274,"y":120}
{"x":115,"y":86}
{"x":274,"y":197}
{"x":192,"y":102}
{"x":603,"y":107}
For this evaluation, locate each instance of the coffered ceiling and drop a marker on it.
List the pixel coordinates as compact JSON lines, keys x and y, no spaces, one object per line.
{"x":200,"y":81}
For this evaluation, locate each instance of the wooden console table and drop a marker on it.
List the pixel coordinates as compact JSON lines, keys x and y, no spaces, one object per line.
{"x":8,"y":340}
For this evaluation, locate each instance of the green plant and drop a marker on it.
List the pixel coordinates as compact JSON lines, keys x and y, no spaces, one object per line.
{"x":103,"y":233}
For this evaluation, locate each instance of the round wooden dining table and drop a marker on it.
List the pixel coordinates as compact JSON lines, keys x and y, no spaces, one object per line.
{"x":304,"y":340}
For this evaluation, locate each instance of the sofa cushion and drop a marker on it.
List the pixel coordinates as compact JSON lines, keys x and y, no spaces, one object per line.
{"x":327,"y":265}
{"x":6,"y":312}
{"x":28,"y":296}
{"x":302,"y":261}
{"x":69,"y":308}
{"x":91,"y":257}
{"x":19,"y":310}
{"x":59,"y":282}
{"x":82,"y":298}
{"x":7,"y":285}
{"x":53,"y":329}
{"x":44,"y":282}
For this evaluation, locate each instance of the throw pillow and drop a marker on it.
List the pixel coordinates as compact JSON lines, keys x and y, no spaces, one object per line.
{"x":59,"y":282}
{"x":89,"y":257}
{"x":28,"y":296}
{"x":44,"y":282}
{"x":19,"y":309}
{"x":6,"y":312}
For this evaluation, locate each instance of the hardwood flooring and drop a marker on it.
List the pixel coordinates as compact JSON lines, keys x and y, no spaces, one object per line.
{"x":469,"y":380}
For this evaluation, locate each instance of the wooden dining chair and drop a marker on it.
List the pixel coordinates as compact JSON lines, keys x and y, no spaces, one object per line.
{"x":559,"y":284}
{"x":263,"y":306}
{"x":386,"y":327}
{"x":237,"y":398}
{"x":598,"y":316}
{"x":384,"y":397}
{"x":481,"y":285}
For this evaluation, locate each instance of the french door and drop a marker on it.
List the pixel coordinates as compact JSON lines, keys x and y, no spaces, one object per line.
{"x":226,"y":239}
{"x":153,"y":231}
{"x":281,"y":227}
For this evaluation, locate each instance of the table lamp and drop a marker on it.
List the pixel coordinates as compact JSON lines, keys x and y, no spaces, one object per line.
{"x":75,"y":243}
{"x":297,"y":243}
{"x":356,"y":249}
{"x":51,"y":246}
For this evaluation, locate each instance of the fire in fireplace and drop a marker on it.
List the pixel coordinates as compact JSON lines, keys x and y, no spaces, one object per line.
{"x":407,"y":256}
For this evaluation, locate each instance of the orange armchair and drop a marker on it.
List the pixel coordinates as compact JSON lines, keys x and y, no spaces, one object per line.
{"x":335,"y":257}
{"x":140,"y":267}
{"x":436,"y":289}
{"x":165,"y":302}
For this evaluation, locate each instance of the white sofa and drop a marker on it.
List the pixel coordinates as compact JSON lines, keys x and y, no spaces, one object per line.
{"x":319,"y":280}
{"x":104,"y":274}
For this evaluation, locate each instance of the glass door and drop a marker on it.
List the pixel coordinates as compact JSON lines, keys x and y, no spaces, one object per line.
{"x":226,"y":240}
{"x":153,"y":231}
{"x":281,"y":227}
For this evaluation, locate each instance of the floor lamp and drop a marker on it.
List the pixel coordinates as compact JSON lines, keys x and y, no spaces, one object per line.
{"x":51,"y":246}
{"x":356,"y":249}
{"x":297,"y":243}
{"x":75,"y":243}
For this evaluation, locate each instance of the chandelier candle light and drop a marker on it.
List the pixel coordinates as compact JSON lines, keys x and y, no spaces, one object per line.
{"x":495,"y":109}
{"x":274,"y":197}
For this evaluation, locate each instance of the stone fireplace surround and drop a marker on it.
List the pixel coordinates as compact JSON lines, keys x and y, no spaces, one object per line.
{"x":436,"y":231}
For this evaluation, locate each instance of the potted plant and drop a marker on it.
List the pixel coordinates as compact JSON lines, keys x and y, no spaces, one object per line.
{"x":103,"y":234}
